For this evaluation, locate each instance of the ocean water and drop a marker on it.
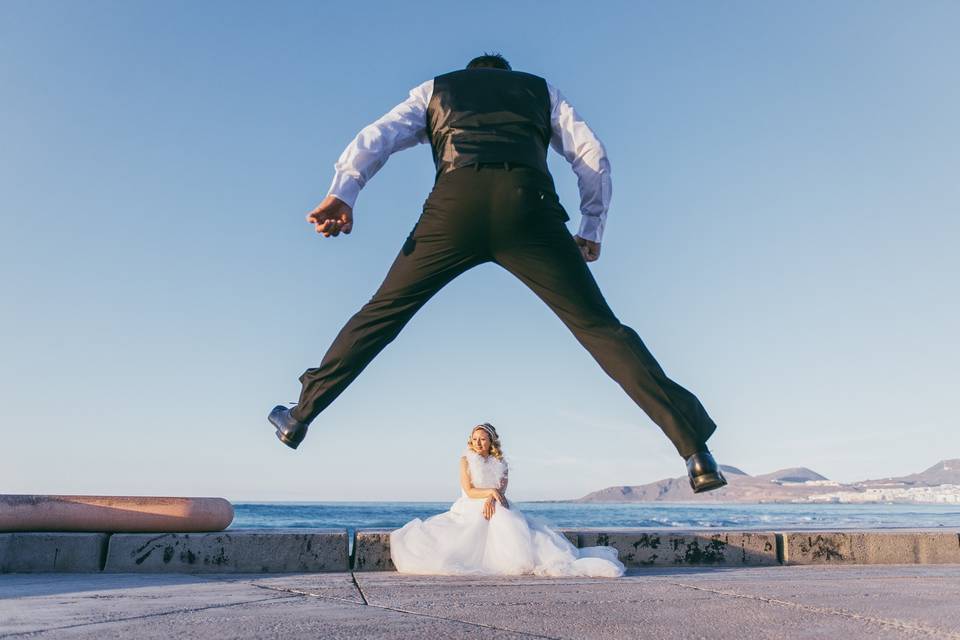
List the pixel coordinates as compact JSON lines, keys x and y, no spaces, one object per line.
{"x":570,"y":515}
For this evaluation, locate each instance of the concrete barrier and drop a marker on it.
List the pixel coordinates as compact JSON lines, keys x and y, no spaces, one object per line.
{"x":319,"y":550}
{"x":56,"y":552}
{"x":238,"y":551}
{"x":371,"y":550}
{"x":871,"y":547}
{"x":669,"y":547}
{"x":572,"y":535}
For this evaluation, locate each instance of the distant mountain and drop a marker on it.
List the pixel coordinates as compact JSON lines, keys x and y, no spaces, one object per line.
{"x":741,"y":487}
{"x":796,"y":484}
{"x":793,"y":474}
{"x":944,"y":472}
{"x":728,"y":469}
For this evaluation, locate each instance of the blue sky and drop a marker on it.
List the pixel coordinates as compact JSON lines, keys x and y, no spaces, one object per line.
{"x":783,"y":236}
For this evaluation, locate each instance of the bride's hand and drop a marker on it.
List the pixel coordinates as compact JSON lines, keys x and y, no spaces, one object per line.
{"x":499,"y":497}
{"x":488,"y":507}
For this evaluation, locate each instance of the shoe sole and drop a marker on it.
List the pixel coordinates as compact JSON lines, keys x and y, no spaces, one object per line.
{"x":287,"y":441}
{"x":710,"y":482}
{"x":293,"y":444}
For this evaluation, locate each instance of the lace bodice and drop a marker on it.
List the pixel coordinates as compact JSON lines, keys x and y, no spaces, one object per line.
{"x":485,"y":473}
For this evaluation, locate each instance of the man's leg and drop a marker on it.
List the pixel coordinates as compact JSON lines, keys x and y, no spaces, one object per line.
{"x":429,"y":259}
{"x":545,"y":257}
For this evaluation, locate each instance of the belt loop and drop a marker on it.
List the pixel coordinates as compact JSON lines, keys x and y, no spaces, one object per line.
{"x":477,"y":166}
{"x":506,"y":165}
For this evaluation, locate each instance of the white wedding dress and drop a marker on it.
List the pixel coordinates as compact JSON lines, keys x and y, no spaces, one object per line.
{"x":461,"y":541}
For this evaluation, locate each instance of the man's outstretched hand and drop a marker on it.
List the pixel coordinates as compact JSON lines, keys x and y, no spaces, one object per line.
{"x":331,"y":217}
{"x":589,"y":249}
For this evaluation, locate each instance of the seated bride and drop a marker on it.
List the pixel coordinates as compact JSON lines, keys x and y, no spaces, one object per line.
{"x":483,"y":533}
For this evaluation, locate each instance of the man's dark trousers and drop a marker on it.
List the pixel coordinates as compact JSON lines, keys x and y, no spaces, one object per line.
{"x":510,"y":215}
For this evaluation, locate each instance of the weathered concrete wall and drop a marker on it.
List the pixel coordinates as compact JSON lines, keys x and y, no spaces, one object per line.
{"x":647,"y":548}
{"x":871,"y":547}
{"x":371,"y":550}
{"x":57,"y":552}
{"x":572,"y":535}
{"x":240,"y":551}
{"x":315,"y":550}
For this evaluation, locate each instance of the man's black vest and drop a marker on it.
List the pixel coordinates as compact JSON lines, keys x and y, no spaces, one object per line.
{"x":489,"y":115}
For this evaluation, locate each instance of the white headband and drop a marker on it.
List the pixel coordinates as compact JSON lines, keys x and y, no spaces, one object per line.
{"x":488,"y":428}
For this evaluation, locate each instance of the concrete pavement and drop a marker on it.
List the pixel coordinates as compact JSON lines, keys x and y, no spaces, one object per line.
{"x":804,"y":601}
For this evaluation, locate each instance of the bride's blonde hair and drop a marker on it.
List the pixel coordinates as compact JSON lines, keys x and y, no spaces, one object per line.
{"x":495,"y":449}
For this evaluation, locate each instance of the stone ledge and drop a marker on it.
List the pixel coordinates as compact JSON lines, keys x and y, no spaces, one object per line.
{"x":691,"y":548}
{"x":237,"y":551}
{"x":871,"y":547}
{"x":371,"y":550}
{"x":61,"y":552}
{"x":326,"y":550}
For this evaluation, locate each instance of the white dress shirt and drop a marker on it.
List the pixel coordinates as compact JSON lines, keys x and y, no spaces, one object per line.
{"x":405,"y":126}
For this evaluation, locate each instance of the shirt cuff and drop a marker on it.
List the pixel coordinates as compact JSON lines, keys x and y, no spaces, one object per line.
{"x":345,"y":187}
{"x":591,"y":228}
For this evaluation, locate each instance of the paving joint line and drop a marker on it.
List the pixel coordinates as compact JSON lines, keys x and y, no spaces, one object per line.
{"x":146,"y":615}
{"x":366,"y":603}
{"x":897,"y":624}
{"x":436,"y":617}
{"x":301,"y":592}
{"x":353,"y":577}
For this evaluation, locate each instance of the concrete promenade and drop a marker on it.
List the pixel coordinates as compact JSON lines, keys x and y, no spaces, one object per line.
{"x":802,"y":601}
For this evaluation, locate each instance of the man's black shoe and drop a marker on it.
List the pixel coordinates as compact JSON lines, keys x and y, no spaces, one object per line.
{"x":290,"y":431}
{"x":704,"y":473}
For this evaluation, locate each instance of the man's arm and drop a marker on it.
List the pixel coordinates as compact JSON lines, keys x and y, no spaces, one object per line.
{"x":576,"y":142}
{"x":400,"y":128}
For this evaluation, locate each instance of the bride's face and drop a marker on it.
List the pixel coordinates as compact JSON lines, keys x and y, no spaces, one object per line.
{"x":480,"y":441}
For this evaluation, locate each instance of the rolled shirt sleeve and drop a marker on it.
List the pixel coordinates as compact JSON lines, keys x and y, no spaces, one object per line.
{"x":576,"y":142}
{"x":400,"y":128}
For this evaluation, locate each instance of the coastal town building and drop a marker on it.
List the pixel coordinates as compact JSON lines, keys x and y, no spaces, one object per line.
{"x":941,"y":494}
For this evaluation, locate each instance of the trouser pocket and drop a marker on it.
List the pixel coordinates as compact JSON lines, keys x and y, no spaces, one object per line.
{"x":542,"y":201}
